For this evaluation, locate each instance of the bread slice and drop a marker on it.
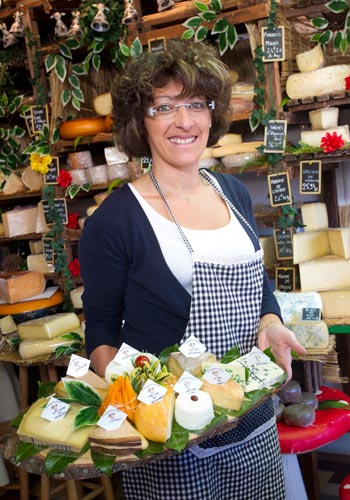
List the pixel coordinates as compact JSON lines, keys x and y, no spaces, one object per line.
{"x":122,"y":441}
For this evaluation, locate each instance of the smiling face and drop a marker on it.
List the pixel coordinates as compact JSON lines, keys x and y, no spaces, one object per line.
{"x":178,"y":139}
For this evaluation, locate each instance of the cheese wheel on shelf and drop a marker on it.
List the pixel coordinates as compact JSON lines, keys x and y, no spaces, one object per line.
{"x":82,"y":127}
{"x":319,"y":82}
{"x":103,"y":104}
{"x":231,"y":149}
{"x":32,"y":309}
{"x":313,"y":137}
{"x":310,"y":334}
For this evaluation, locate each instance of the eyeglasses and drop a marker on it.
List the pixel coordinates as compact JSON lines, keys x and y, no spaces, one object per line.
{"x":170,"y":110}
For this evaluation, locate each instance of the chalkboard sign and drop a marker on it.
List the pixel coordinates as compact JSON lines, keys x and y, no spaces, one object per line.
{"x":48,"y":251}
{"x":311,"y":314}
{"x":283,"y":243}
{"x":54,"y":169}
{"x":146,"y":163}
{"x":60,"y":207}
{"x":29,"y":123}
{"x":275,"y":136}
{"x":157,"y":44}
{"x":285,"y":279}
{"x":310,"y":177}
{"x":40,"y":117}
{"x":273,"y":44}
{"x":279,"y":189}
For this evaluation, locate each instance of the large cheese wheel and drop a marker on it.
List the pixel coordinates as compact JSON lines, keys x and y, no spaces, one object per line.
{"x":31,"y":309}
{"x":318,"y":82}
{"x":82,"y":127}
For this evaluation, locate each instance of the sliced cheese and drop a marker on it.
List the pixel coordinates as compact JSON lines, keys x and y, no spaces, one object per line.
{"x":339,"y":240}
{"x":310,"y":245}
{"x":7,"y":325}
{"x":293,"y":303}
{"x":38,"y":263}
{"x":19,"y":221}
{"x":32,"y":348}
{"x":310,"y":334}
{"x":103,"y":104}
{"x":48,"y":326}
{"x":326,"y":273}
{"x":322,"y":119}
{"x":313,"y":137}
{"x":335,"y":304}
{"x":310,"y":60}
{"x":267,"y":243}
{"x":244,"y":147}
{"x":59,"y":435}
{"x":314,"y":216}
{"x":21,"y":285}
{"x":319,"y":82}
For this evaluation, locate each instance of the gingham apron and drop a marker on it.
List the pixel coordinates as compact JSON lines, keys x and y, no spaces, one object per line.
{"x":225,"y":311}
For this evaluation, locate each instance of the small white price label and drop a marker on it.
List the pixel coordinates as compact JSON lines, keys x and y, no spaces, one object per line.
{"x":192,"y":347}
{"x":151,"y":392}
{"x":216,"y":375}
{"x":112,"y":418}
{"x":187,"y":383}
{"x":125,"y":353}
{"x":78,"y":366}
{"x":55,"y":410}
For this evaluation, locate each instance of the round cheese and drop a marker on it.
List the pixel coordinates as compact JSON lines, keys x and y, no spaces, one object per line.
{"x":82,"y":127}
{"x":194,"y":411}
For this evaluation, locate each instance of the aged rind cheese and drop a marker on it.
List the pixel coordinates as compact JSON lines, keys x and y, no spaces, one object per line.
{"x":38,"y":263}
{"x":80,"y":159}
{"x":32,"y":179}
{"x":13,"y":185}
{"x":124,"y":440}
{"x":231,"y":149}
{"x":310,"y":334}
{"x":319,"y":82}
{"x":313,"y":137}
{"x":48,"y":326}
{"x":310,"y":245}
{"x":314,"y":216}
{"x":59,"y":435}
{"x":36,"y":246}
{"x":31,"y":348}
{"x":21,"y":285}
{"x":41,"y":224}
{"x":339,"y":240}
{"x":326,"y":273}
{"x":227,"y":139}
{"x":267,"y":243}
{"x":19,"y":221}
{"x":293,"y":303}
{"x":102,"y":104}
{"x":322,"y":119}
{"x":310,"y":60}
{"x":178,"y":363}
{"x":336,"y":304}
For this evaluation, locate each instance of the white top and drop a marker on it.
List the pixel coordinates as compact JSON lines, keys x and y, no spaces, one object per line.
{"x":225,"y":245}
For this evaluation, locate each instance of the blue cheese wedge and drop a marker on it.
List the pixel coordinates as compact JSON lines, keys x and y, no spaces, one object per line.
{"x":263,"y":373}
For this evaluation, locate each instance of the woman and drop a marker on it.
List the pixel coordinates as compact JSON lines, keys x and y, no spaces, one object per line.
{"x":176,"y":253}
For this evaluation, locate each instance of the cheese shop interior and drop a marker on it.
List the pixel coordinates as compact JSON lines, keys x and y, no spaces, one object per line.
{"x":58,"y":163}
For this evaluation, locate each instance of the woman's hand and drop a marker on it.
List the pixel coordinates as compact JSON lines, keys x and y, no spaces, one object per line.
{"x":282,"y":341}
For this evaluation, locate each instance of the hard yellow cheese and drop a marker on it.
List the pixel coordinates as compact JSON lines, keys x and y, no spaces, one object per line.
{"x":310,"y":245}
{"x":48,"y":326}
{"x":326,"y":273}
{"x":310,"y":60}
{"x":314,"y":216}
{"x":32,"y":348}
{"x":339,"y":240}
{"x":335,"y":304}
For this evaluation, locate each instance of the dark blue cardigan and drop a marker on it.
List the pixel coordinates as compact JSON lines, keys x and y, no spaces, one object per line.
{"x":126,"y":278}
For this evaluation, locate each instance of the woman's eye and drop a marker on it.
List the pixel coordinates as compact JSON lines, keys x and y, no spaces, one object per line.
{"x":197,"y":105}
{"x":163,"y":108}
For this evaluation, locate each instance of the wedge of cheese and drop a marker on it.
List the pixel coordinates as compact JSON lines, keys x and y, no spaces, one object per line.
{"x":335,"y":304}
{"x":32,"y":348}
{"x":21,"y":285}
{"x":310,"y":334}
{"x":339,"y":240}
{"x":322,"y":119}
{"x":48,"y":326}
{"x":326,"y":273}
{"x":229,"y":395}
{"x":38,"y":263}
{"x":310,"y":245}
{"x":75,"y":296}
{"x":314,"y":216}
{"x":19,"y":221}
{"x":318,"y":82}
{"x":310,"y":60}
{"x":123,"y":441}
{"x":59,"y":435}
{"x":313,"y":137}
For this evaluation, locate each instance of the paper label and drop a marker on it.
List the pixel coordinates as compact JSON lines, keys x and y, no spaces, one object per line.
{"x":256,"y":358}
{"x":192,"y":347}
{"x":78,"y":366}
{"x":151,"y":392}
{"x":216,"y":375}
{"x":125,"y":353}
{"x":55,"y":410}
{"x":187,"y":383}
{"x":112,"y":418}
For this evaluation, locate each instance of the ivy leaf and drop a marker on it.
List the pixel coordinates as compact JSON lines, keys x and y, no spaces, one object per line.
{"x":316,"y":37}
{"x":96,"y":62}
{"x":56,"y":461}
{"x":337,"y":40}
{"x":232,"y":36}
{"x":220,"y":26}
{"x":76,"y":104}
{"x":343,"y":46}
{"x":326,"y":37}
{"x":337,"y":6}
{"x":2,"y":112}
{"x":78,"y":69}
{"x":330,"y":403}
{"x":72,"y":43}
{"x":179,"y":438}
{"x":136,"y":48}
{"x":46,"y":389}
{"x":78,"y":94}
{"x":65,"y":97}
{"x":208,"y":16}
{"x":99,"y":46}
{"x":65,"y":51}
{"x":55,"y":135}
{"x":86,"y":187}
{"x":103,"y":462}
{"x":86,"y":416}
{"x":18,"y":132}
{"x":216,"y":5}
{"x":254,"y":121}
{"x":74,"y":81}
{"x":319,"y":22}
{"x":188,"y":34}
{"x":72,"y":190}
{"x":192,"y":22}
{"x":72,"y":336}
{"x":223,"y":43}
{"x":26,"y":450}
{"x":50,"y":62}
{"x":17,"y":101}
{"x":82,"y":393}
{"x":124,"y":49}
{"x":60,"y":69}
{"x":201,"y":34}
{"x":202,"y":7}
{"x":347,"y":21}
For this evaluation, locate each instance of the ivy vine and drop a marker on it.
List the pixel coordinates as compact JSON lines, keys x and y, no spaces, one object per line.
{"x":329,"y":29}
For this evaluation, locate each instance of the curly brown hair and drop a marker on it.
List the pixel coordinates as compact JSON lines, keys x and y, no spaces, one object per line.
{"x":194,"y":64}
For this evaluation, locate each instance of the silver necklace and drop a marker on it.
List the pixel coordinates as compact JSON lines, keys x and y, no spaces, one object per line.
{"x":183,"y":196}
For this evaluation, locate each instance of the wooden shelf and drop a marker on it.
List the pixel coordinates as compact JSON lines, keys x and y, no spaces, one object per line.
{"x":66,"y":146}
{"x":336,"y":157}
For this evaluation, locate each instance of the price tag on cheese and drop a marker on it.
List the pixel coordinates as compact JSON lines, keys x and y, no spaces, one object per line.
{"x":125,"y":353}
{"x":216,"y":375}
{"x":55,"y":410}
{"x":256,"y":358}
{"x":192,"y":347}
{"x":151,"y":392}
{"x":187,"y":384}
{"x":112,"y":418}
{"x":78,"y":366}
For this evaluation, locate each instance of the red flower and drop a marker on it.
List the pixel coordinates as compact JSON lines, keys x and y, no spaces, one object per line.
{"x":331,"y":142}
{"x":347,"y":82}
{"x":73,"y":222}
{"x":64,"y":179}
{"x":74,"y":267}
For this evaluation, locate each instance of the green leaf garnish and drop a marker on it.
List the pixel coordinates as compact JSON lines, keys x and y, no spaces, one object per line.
{"x":231,"y":355}
{"x":329,"y":403}
{"x":26,"y":450}
{"x":151,"y":449}
{"x":103,"y":462}
{"x":179,"y":438}
{"x":56,"y":461}
{"x":86,"y":416}
{"x":46,"y":389}
{"x":164,"y":355}
{"x":82,"y":393}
